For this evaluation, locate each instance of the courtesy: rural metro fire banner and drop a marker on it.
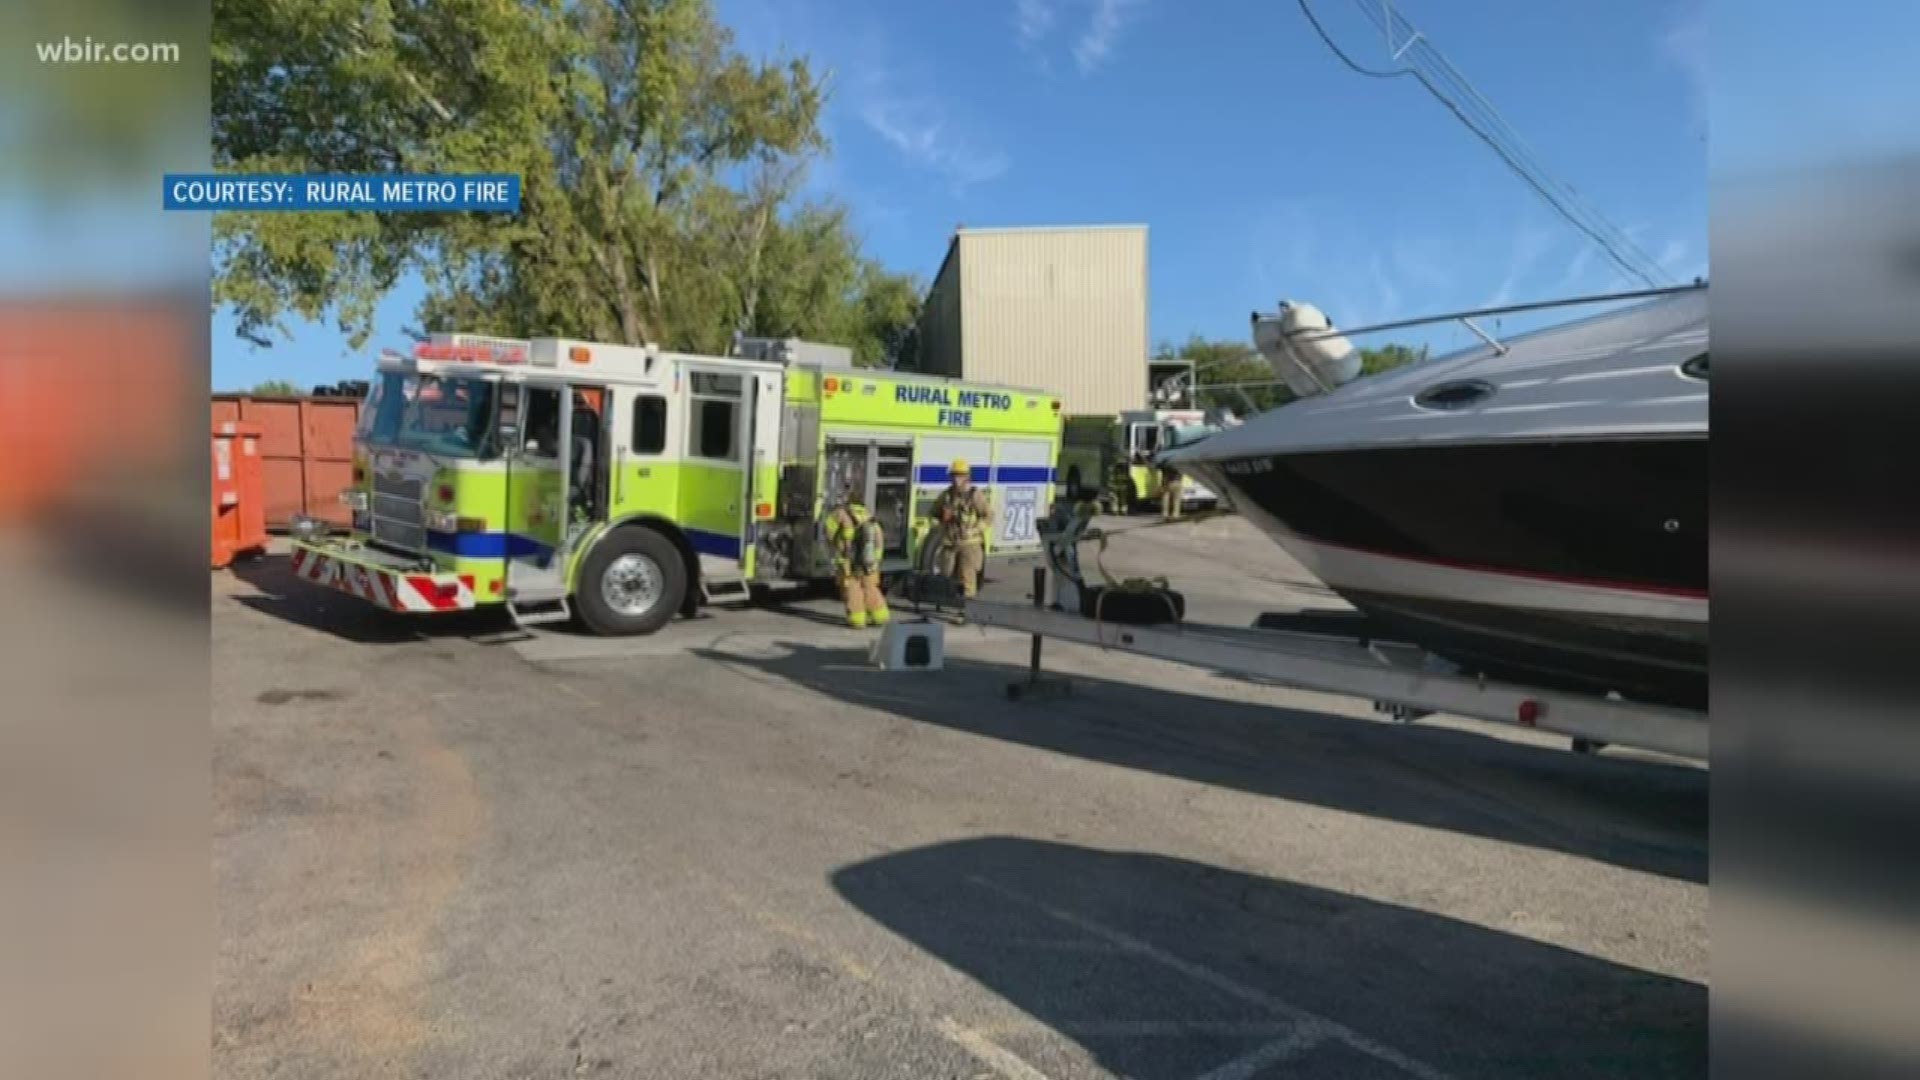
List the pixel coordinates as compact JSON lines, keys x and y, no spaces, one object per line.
{"x":488,"y":192}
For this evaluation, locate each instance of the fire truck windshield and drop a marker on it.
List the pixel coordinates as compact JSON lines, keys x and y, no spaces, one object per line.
{"x":443,"y":415}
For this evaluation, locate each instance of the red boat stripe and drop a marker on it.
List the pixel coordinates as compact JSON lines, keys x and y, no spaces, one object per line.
{"x":1533,"y":575}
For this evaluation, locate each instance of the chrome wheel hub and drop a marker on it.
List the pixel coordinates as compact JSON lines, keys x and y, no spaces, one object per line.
{"x":632,"y":584}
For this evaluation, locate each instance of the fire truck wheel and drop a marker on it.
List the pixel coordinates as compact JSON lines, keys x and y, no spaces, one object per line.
{"x":632,"y":583}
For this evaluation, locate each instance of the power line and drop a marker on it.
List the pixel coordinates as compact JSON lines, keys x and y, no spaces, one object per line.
{"x":1337,"y":51}
{"x":1468,"y":102}
{"x":1494,"y":127}
{"x":1618,"y":245}
{"x":1477,"y":114}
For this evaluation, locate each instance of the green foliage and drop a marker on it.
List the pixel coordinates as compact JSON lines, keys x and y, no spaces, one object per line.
{"x":76,"y":130}
{"x":1233,"y":374}
{"x":1222,"y":364}
{"x":886,"y":313}
{"x":1385,"y":358}
{"x":277,"y":388}
{"x":659,"y":171}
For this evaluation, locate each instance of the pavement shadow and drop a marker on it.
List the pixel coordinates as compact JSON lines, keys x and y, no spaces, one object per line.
{"x":1161,"y":967}
{"x":285,"y":596}
{"x":793,"y":610}
{"x":1647,"y":816}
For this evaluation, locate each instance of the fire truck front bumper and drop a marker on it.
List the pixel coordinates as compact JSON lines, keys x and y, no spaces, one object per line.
{"x":384,"y":580}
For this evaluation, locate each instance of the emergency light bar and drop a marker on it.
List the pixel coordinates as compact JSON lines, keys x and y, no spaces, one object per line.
{"x":470,"y":353}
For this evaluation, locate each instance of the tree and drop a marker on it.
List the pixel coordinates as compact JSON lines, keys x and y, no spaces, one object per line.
{"x":348,"y":87}
{"x":276,"y":388}
{"x":1387,"y":357}
{"x":119,"y":123}
{"x":1229,"y":374}
{"x":806,"y":278}
{"x":659,"y":167}
{"x":888,"y":313}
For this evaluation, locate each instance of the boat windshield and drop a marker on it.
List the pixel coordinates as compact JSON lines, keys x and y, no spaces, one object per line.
{"x":443,"y":415}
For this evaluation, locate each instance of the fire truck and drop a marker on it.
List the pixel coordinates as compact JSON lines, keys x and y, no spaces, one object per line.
{"x":1113,"y":456}
{"x":625,"y":484}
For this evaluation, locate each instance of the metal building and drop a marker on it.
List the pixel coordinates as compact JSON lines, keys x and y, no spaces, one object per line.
{"x":1057,"y":309}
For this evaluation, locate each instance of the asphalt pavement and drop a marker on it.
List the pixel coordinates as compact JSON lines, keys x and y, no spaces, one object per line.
{"x":736,"y":849}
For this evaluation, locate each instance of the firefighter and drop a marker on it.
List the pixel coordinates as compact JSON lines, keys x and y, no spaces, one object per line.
{"x":964,"y":514}
{"x":857,"y":545}
{"x":1170,"y":485}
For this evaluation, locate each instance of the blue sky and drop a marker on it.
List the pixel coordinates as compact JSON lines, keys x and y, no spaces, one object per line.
{"x":1263,"y":167}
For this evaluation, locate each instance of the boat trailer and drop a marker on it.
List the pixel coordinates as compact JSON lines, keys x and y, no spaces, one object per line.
{"x":1402,"y":680}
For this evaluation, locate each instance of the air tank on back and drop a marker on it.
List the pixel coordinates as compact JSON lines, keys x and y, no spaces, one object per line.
{"x":1300,"y":344}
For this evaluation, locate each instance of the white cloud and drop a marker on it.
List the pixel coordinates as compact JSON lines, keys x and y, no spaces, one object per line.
{"x":1681,"y":262}
{"x":873,"y":84}
{"x":1034,"y":22}
{"x":1360,"y":272}
{"x":1387,"y":296}
{"x":1103,"y":30}
{"x":1578,"y":266}
{"x":1530,"y":243}
{"x":1590,"y":269}
{"x":1283,"y":244}
{"x":1301,"y":253}
{"x":1684,"y":44}
{"x":1033,"y":19}
{"x":1414,"y":263}
{"x":923,"y":132}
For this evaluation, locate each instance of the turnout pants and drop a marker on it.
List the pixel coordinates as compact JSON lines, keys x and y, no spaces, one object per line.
{"x":1170,"y":499}
{"x":866,"y":605}
{"x":963,"y":563}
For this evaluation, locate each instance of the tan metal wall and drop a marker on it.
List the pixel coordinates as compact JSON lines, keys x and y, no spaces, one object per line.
{"x":1061,"y":310}
{"x":940,"y":320}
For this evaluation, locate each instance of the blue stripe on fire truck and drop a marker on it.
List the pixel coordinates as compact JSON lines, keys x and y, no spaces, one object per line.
{"x":988,"y":474}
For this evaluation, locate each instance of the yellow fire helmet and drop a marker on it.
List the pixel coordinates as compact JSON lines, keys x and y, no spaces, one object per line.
{"x":959,"y":468}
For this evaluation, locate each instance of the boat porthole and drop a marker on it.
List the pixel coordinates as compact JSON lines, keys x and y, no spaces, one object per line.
{"x":1454,"y":395}
{"x":1695,"y":368}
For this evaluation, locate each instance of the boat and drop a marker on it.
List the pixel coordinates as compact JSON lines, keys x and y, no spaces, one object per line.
{"x":1531,"y":510}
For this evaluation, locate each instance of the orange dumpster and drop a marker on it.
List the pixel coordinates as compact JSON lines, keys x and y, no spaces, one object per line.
{"x":239,"y":493}
{"x":306,"y":452}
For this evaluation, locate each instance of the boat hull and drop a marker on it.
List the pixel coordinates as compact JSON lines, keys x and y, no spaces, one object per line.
{"x":1576,"y":563}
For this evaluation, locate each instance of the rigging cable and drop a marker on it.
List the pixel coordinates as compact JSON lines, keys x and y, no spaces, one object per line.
{"x":1568,"y":205}
{"x":1344,"y":58}
{"x":1422,"y":50}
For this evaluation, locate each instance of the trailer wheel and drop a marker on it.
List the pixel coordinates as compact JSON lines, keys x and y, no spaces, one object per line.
{"x":632,"y":583}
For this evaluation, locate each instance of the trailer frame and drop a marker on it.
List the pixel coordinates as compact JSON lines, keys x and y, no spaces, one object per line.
{"x":1401,"y":680}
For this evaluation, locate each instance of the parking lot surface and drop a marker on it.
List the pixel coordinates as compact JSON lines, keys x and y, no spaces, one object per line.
{"x":736,"y":849}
